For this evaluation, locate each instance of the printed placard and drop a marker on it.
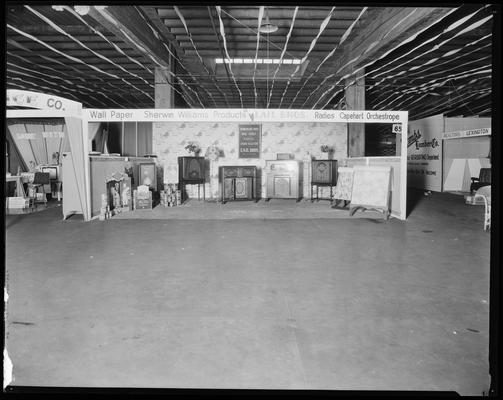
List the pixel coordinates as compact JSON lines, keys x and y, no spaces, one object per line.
{"x":249,"y":140}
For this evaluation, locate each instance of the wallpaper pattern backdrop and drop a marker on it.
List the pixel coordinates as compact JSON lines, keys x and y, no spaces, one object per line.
{"x":303,"y":140}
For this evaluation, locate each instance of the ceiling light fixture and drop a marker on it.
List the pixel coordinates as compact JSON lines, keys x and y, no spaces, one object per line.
{"x":267,"y":27}
{"x":258,"y":61}
{"x":58,"y":8}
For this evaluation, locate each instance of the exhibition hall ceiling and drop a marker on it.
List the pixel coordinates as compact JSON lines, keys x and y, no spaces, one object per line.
{"x":426,"y":60}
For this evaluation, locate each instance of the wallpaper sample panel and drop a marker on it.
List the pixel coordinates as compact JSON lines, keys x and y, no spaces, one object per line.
{"x":303,"y":140}
{"x":371,"y":186}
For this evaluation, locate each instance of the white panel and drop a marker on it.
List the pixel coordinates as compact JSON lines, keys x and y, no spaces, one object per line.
{"x":454,"y":178}
{"x":462,"y":124}
{"x":474,"y":167}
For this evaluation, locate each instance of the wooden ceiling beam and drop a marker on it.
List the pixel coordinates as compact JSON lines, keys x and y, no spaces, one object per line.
{"x":103,"y":48}
{"x":87,"y":39}
{"x":39,"y":29}
{"x":243,"y":46}
{"x":305,"y":33}
{"x":154,"y":19}
{"x":127,"y":24}
{"x":397,"y":23}
{"x":251,"y":13}
{"x":252,"y":23}
{"x":278,"y":40}
{"x":261,"y":53}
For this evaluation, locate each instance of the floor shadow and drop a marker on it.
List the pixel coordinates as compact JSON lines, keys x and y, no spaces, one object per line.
{"x":13,"y":219}
{"x":414,"y":197}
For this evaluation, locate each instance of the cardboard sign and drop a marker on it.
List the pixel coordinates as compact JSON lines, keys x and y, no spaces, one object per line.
{"x":424,"y":153}
{"x":468,"y":133}
{"x":249,"y":140}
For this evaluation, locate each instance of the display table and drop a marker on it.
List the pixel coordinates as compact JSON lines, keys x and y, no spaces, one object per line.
{"x":238,"y":182}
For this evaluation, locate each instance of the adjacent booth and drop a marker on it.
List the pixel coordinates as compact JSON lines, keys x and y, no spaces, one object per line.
{"x":445,"y":154}
{"x":118,"y":157}
{"x":43,"y":131}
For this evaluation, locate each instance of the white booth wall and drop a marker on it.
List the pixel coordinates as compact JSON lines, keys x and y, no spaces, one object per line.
{"x":302,"y":139}
{"x":424,"y":154}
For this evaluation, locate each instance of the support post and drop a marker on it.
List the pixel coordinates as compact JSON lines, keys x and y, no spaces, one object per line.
{"x":355,"y":100}
{"x":164,"y":98}
{"x":164,"y":93}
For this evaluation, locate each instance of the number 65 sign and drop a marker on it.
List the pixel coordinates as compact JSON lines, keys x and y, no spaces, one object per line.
{"x":396,"y":128}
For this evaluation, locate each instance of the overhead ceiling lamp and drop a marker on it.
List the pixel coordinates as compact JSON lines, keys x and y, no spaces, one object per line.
{"x":267,"y":27}
{"x":82,"y":10}
{"x":58,"y":8}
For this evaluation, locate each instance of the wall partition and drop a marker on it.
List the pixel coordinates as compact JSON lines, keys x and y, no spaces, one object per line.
{"x":133,"y":139}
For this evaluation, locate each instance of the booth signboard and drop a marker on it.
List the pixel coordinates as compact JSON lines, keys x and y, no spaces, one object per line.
{"x":249,"y":140}
{"x":245,"y":115}
{"x":468,"y":133}
{"x":42,"y":101}
{"x":424,"y":153}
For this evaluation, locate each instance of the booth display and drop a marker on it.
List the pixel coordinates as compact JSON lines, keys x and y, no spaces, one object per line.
{"x":238,"y":183}
{"x":323,"y":173}
{"x":137,"y":169}
{"x":280,"y":182}
{"x":191,"y":171}
{"x":295,"y":126}
{"x":284,"y":179}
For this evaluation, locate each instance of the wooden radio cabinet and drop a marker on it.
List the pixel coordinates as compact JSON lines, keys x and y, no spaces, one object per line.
{"x":238,"y":182}
{"x":191,"y":171}
{"x":323,"y":173}
{"x":284,"y":179}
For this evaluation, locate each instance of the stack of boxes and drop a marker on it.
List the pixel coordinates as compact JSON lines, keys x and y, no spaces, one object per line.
{"x":17,"y":202}
{"x":171,"y":195}
{"x":105,"y":208}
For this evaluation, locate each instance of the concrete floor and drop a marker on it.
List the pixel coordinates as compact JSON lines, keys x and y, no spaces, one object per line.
{"x":347,"y":304}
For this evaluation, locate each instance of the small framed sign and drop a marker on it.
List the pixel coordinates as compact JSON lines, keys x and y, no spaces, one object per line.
{"x":396,"y":128}
{"x":250,"y":140}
